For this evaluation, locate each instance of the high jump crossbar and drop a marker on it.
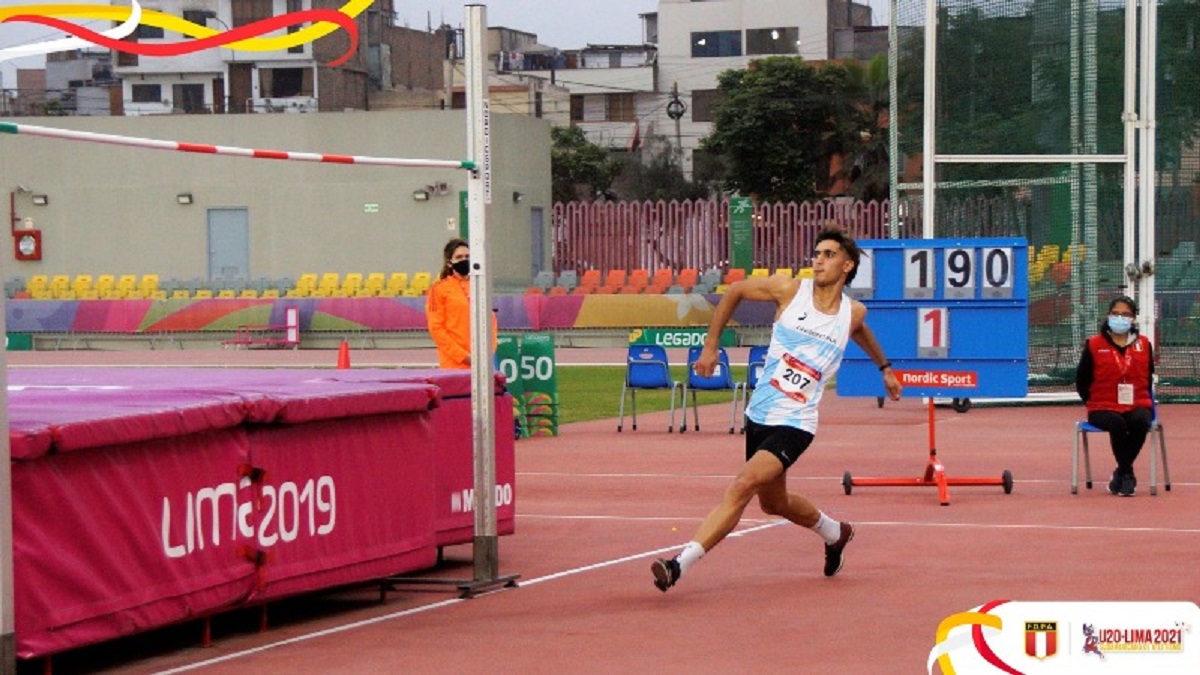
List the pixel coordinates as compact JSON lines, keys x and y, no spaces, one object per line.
{"x":230,"y":151}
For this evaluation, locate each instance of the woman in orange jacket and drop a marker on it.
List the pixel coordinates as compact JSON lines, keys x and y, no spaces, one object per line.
{"x":448,"y":308}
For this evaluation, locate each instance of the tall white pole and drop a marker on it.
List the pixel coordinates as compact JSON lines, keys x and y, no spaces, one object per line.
{"x":8,"y":647}
{"x":1146,"y":241}
{"x":486,"y":550}
{"x":1129,"y":241}
{"x":928,"y":165}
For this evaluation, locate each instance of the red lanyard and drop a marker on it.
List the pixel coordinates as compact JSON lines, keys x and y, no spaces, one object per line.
{"x":1123,"y":364}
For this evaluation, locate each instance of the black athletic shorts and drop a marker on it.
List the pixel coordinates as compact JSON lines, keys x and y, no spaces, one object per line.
{"x":786,"y":443}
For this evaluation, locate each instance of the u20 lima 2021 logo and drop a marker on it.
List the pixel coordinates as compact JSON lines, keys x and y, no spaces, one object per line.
{"x":1051,"y":638}
{"x":247,"y":38}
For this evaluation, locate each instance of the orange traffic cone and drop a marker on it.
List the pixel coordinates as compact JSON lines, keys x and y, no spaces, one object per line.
{"x":343,"y":361}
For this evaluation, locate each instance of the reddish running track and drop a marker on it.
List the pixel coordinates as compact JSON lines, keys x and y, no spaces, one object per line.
{"x":595,"y":507}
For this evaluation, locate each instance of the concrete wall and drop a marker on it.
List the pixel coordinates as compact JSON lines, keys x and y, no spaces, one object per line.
{"x":113,"y":210}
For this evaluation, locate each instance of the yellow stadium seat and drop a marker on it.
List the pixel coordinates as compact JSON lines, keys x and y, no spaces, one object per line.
{"x":398,"y":282}
{"x":365,"y":293}
{"x":330,"y":280}
{"x":135,"y":294}
{"x":271,"y":293}
{"x":60,"y":282}
{"x":805,"y":273}
{"x":320,"y":292}
{"x":105,"y":283}
{"x":352,"y":282}
{"x":157,"y":295}
{"x":785,"y":271}
{"x":295,"y":293}
{"x":760,"y":272}
{"x":148,"y":284}
{"x":37,"y":282}
{"x":421,"y":281}
{"x":180,"y":294}
{"x":42,"y":294}
{"x":82,"y":282}
{"x":307,"y":282}
{"x":375,"y":281}
{"x":63,"y":294}
{"x":89,"y":294}
{"x":411,"y":293}
{"x":226,"y":293}
{"x":113,"y":294}
{"x":205,"y":293}
{"x":127,"y":281}
{"x":248,"y":293}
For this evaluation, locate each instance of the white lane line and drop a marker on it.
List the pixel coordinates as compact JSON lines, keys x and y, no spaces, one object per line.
{"x":438,"y":605}
{"x":617,"y":561}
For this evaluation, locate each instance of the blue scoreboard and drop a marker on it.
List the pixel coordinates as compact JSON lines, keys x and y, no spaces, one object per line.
{"x":952,"y":315}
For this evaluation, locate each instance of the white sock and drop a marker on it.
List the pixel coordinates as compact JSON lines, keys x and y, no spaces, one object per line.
{"x":829,"y":529}
{"x":689,"y":555}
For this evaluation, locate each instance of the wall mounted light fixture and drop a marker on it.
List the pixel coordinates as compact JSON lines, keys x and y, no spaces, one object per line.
{"x":184,"y":198}
{"x":518,"y":197}
{"x":420,"y":195}
{"x":40,"y":200}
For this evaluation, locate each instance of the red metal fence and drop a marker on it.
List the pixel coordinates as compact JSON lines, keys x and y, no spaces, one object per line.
{"x":695,"y":234}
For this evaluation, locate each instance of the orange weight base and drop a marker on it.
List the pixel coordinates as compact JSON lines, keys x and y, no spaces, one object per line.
{"x":935,"y":475}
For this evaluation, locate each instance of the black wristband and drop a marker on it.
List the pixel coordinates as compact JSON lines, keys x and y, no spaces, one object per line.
{"x":885,"y":366}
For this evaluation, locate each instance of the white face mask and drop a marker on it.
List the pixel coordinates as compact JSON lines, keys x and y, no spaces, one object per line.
{"x":1120,"y":324}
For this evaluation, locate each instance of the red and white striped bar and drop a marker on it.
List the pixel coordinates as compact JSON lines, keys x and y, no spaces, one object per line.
{"x":155,"y":144}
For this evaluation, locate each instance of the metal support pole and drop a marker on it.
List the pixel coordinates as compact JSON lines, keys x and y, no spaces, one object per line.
{"x":928,"y":166}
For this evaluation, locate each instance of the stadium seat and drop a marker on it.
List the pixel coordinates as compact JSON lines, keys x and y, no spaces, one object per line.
{"x":105,"y":283}
{"x":37,"y":282}
{"x":203,"y":293}
{"x":734,"y":274}
{"x":365,"y":293}
{"x":63,"y":294}
{"x":181,"y":294}
{"x":330,"y":281}
{"x":646,"y":367}
{"x":81,"y":283}
{"x":352,"y":283}
{"x":535,"y":290}
{"x":590,"y":278}
{"x":583,"y":289}
{"x":59,"y":283}
{"x":615,"y":278}
{"x":226,"y":293}
{"x":605,"y":290}
{"x":397,"y":283}
{"x":785,"y":271}
{"x":148,"y":284}
{"x":758,"y":272}
{"x":629,"y":289}
{"x":375,"y":281}
{"x":421,"y":281}
{"x":89,"y":294}
{"x":271,"y":293}
{"x":663,"y":277}
{"x":1082,"y":429}
{"x":544,"y":280}
{"x":688,"y":277}
{"x":248,"y":293}
{"x":557,"y":290}
{"x":568,"y":279}
{"x":307,"y":282}
{"x":127,"y":282}
{"x":639,"y":278}
{"x":720,"y":380}
{"x":804,"y":273}
{"x":755,"y":362}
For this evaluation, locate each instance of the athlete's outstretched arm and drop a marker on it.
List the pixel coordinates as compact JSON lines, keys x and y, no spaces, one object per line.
{"x":865,"y":338}
{"x":774,"y":289}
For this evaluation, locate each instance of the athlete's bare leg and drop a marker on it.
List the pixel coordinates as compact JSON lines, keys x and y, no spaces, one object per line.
{"x":775,"y":500}
{"x":763,"y":470}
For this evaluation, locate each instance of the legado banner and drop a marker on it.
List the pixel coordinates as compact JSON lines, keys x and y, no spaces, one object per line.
{"x":678,"y":337}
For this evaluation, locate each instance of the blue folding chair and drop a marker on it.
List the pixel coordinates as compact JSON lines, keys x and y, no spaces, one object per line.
{"x":1082,"y":429}
{"x":756,"y":362}
{"x":646,"y":367}
{"x":720,"y":380}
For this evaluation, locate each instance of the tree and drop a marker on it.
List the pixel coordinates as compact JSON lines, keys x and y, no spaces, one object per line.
{"x":773,"y":126}
{"x":658,"y":178}
{"x":576,"y":163}
{"x":861,"y":135}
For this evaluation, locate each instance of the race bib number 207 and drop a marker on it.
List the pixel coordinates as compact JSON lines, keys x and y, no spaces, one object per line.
{"x":796,"y":379}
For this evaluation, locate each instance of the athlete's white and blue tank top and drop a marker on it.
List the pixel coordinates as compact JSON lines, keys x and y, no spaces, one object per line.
{"x":805,"y":352}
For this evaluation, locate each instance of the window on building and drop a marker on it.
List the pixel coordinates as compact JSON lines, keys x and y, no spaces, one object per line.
{"x":576,"y":107}
{"x":189,"y":98}
{"x":147,"y":93}
{"x":248,"y":11}
{"x":145,"y":32}
{"x":196,"y":16}
{"x":716,"y":43}
{"x":286,"y":82}
{"x":295,"y":6}
{"x":619,"y":107}
{"x":703,"y":101}
{"x":772,"y":41}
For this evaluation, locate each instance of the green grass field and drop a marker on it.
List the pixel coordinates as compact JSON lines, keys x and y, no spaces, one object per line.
{"x":594,"y":392}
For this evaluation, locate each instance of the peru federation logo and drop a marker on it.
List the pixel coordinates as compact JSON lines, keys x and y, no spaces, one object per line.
{"x":1041,"y":639}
